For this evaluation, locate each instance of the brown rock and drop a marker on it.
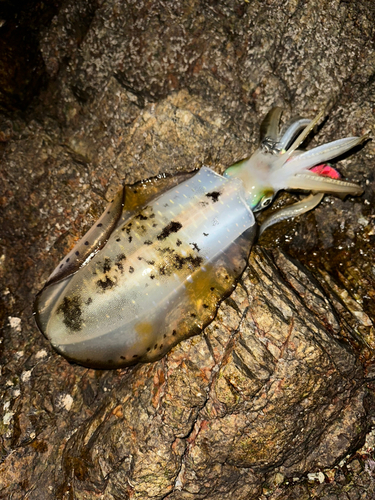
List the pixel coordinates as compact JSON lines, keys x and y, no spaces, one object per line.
{"x":279,"y":385}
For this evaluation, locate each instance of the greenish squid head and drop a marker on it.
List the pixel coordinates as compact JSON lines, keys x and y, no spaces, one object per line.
{"x":278,"y":164}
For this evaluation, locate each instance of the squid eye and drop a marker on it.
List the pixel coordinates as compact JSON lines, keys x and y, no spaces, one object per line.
{"x":265,"y":201}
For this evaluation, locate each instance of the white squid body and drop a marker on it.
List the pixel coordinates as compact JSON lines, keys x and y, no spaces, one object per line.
{"x":154,"y":268}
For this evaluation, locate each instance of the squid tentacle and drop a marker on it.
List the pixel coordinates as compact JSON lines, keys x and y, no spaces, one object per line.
{"x":298,"y":208}
{"x":291,"y":131}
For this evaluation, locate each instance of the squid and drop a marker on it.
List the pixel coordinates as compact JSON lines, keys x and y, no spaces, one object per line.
{"x":154,"y":268}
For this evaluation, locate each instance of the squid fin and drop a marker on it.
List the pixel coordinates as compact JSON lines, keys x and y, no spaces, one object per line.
{"x":127,"y":201}
{"x":93,"y":240}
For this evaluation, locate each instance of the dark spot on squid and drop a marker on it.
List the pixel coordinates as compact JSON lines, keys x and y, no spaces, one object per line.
{"x":108,"y":212}
{"x":107,"y":265}
{"x":195,"y":247}
{"x":131,"y":269}
{"x":139,"y":258}
{"x":118,"y":239}
{"x":135,"y":355}
{"x":178,"y":242}
{"x":154,"y":225}
{"x":172,"y":227}
{"x":61,"y":265}
{"x":105,"y":284}
{"x":141,"y":217}
{"x":155,"y":346}
{"x":127,"y":228}
{"x":148,"y":349}
{"x":148,"y":242}
{"x":77,"y":253}
{"x":67,"y":260}
{"x":174,"y":333}
{"x":190,"y":261}
{"x":205,"y":234}
{"x":87,"y":243}
{"x":122,"y":357}
{"x":193,"y":315}
{"x":88,"y":301}
{"x":205,"y":306}
{"x":178,"y":262}
{"x":212,"y":288}
{"x":152,"y":216}
{"x":130,"y":239}
{"x":214,"y":195}
{"x":99,"y":225}
{"x":118,"y":261}
{"x":161,"y":346}
{"x":165,"y":335}
{"x":152,"y":276}
{"x":166,"y":250}
{"x":72,"y":312}
{"x":150,"y":262}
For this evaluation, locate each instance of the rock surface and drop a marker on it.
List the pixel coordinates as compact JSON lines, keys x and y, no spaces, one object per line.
{"x":274,"y":400}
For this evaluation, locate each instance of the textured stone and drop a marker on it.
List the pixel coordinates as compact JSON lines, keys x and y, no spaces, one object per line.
{"x":279,"y":385}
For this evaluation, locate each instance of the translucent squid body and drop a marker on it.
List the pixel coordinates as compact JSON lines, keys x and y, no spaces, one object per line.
{"x":154,"y":268}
